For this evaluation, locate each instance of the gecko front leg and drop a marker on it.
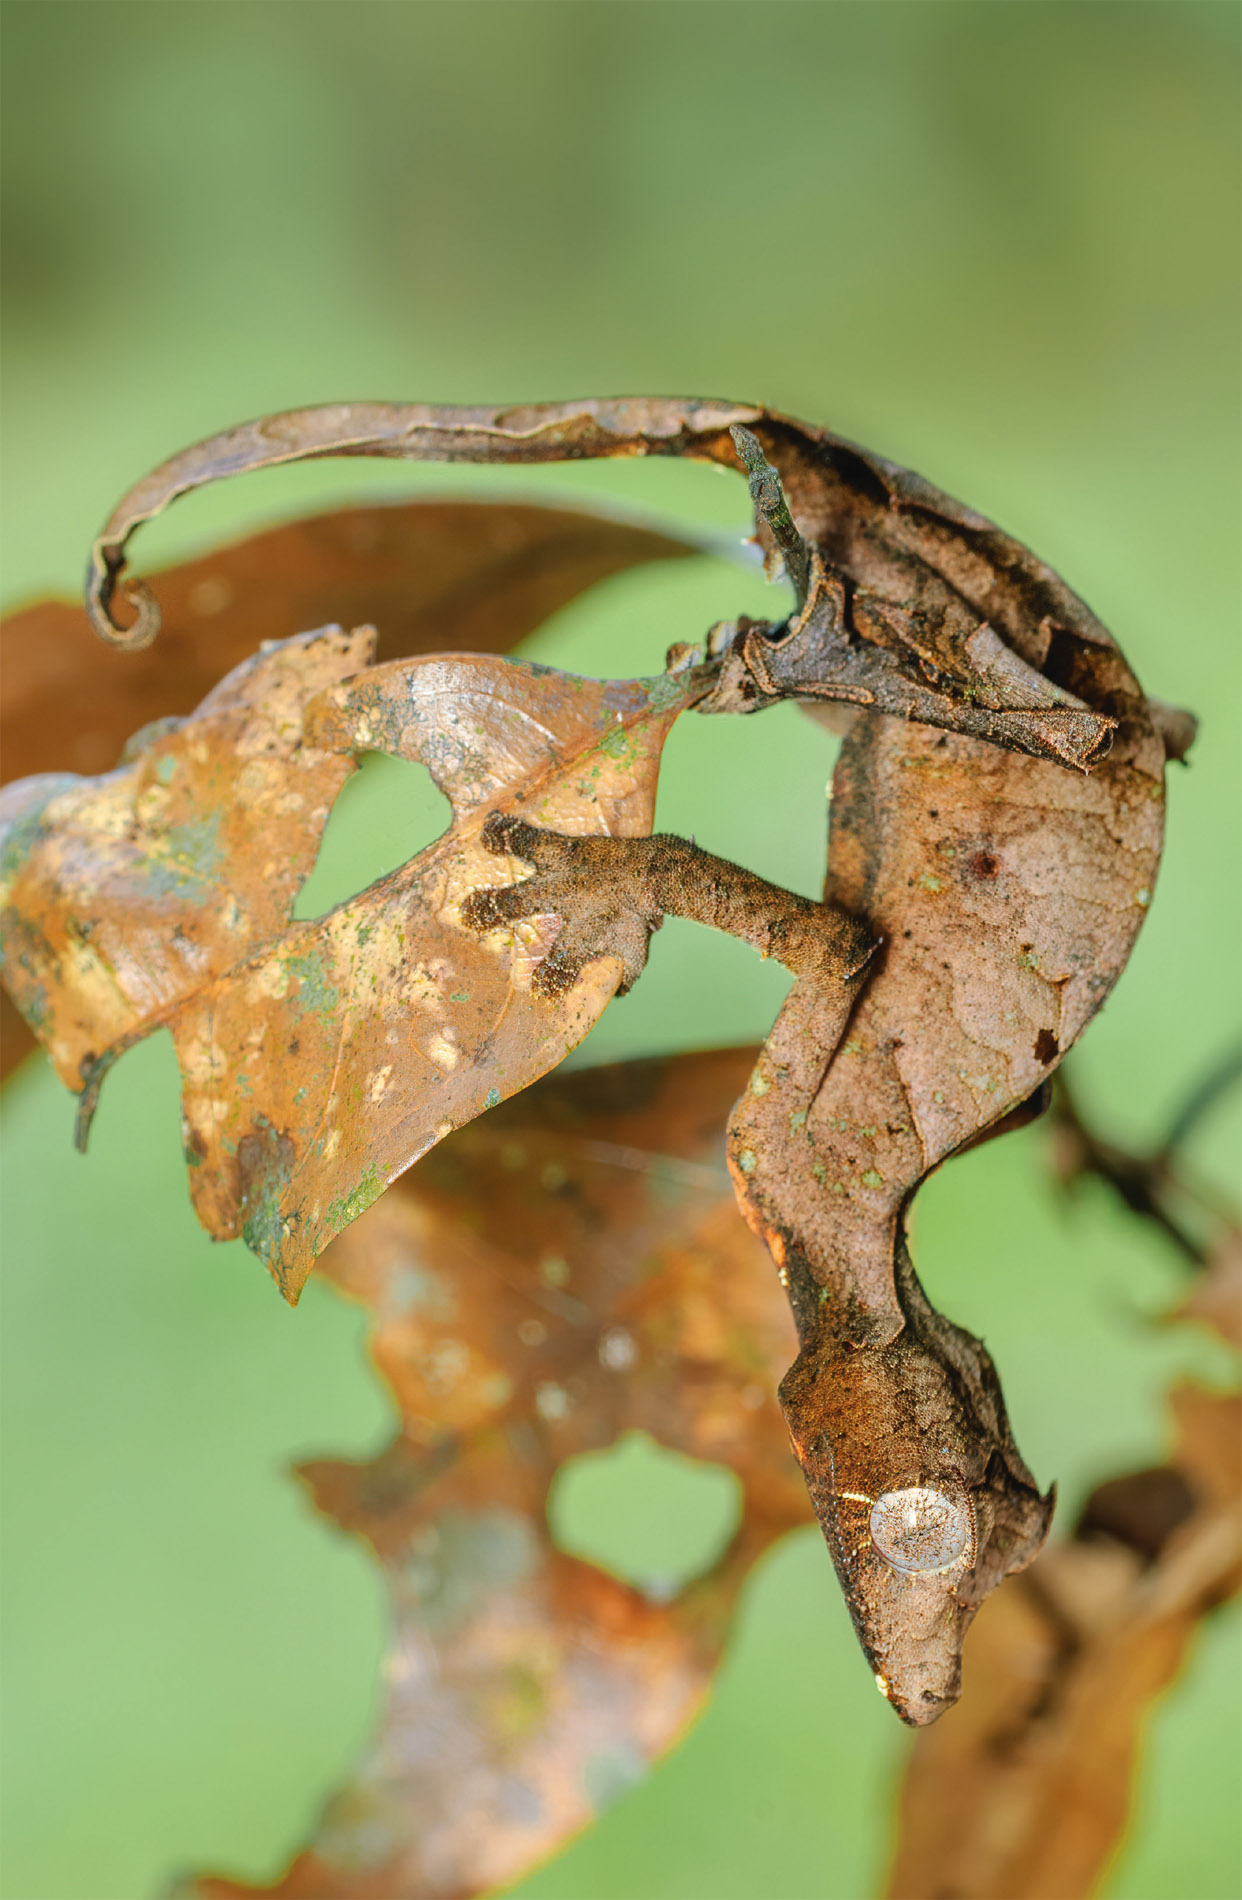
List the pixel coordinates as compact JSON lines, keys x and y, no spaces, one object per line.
{"x":612,"y":893}
{"x":895,"y":1414}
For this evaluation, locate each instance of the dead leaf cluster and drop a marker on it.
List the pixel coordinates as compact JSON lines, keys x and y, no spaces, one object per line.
{"x":572,"y":1265}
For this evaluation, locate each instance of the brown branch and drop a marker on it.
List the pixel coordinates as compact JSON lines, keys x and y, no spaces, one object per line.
{"x":1148,"y":1184}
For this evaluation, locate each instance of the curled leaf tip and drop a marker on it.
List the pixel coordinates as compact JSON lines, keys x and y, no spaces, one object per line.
{"x":101,"y":590}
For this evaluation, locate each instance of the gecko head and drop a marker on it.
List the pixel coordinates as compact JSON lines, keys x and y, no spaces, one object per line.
{"x":921,"y":1493}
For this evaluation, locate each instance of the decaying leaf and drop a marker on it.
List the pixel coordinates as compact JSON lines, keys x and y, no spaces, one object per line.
{"x":319,"y":1059}
{"x":16,"y":1038}
{"x":908,"y":601}
{"x":428,"y":575}
{"x":1005,"y":886}
{"x":123,"y":894}
{"x":1024,"y":1794}
{"x":570,"y":1267}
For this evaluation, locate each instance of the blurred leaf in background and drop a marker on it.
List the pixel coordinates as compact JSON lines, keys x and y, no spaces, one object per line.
{"x":995,"y":241}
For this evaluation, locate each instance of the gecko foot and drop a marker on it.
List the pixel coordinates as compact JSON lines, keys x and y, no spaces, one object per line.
{"x":594,"y":885}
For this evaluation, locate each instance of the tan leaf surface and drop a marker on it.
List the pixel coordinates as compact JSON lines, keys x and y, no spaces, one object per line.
{"x":319,"y":1059}
{"x":570,"y":1267}
{"x":17,"y":1039}
{"x":1006,"y":887}
{"x":320,"y":1070}
{"x":121,"y":895}
{"x":428,"y":575}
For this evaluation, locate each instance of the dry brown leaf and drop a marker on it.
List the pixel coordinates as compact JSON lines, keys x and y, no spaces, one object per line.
{"x":17,"y":1039}
{"x":1024,"y":1794}
{"x":123,"y":894}
{"x":332,"y":1061}
{"x":1007,"y":889}
{"x":319,"y":1059}
{"x":428,"y":575}
{"x":571,"y":1267}
{"x":908,"y":601}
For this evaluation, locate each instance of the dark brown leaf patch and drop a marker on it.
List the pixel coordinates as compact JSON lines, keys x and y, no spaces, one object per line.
{"x":567,"y":1269}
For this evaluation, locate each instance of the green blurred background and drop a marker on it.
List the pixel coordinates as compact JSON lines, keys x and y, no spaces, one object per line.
{"x":997,"y":242}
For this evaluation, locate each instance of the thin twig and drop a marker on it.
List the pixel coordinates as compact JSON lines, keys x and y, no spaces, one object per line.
{"x":1147,"y":1183}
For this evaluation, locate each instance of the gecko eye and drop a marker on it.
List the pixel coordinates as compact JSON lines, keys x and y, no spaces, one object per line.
{"x":922,"y":1530}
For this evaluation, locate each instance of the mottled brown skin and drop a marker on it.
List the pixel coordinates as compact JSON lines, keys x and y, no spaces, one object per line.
{"x":1008,"y":892}
{"x":867,"y":1080}
{"x":1006,"y":887}
{"x":883,"y":1395}
{"x":842,"y":1121}
{"x":868,"y":1416}
{"x":876,"y":1401}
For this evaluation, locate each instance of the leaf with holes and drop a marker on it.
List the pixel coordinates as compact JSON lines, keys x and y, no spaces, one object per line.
{"x":428,"y":575}
{"x":320,"y":1058}
{"x":567,"y":1269}
{"x":122,"y":895}
{"x":1000,"y":836}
